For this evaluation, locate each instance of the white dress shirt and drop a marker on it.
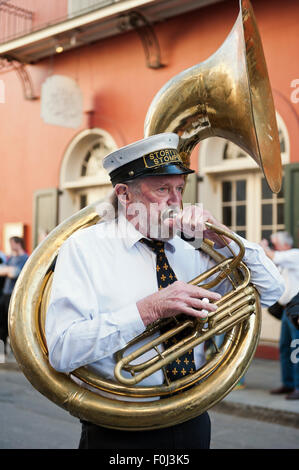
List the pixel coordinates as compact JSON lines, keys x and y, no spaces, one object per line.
{"x":100,"y":274}
{"x":287,"y":262}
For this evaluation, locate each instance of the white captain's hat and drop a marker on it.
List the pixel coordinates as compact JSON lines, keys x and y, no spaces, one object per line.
{"x":153,"y":156}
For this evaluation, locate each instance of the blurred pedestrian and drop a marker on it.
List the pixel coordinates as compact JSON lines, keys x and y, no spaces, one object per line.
{"x":2,"y":258}
{"x":2,"y":278}
{"x":293,"y":311}
{"x":10,"y":271}
{"x":286,"y":259}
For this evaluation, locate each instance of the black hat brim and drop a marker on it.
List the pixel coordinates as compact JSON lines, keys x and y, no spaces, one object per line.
{"x":161,"y":170}
{"x":172,"y":169}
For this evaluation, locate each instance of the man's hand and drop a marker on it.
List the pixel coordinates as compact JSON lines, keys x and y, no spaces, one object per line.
{"x":191,"y":221}
{"x":7,"y":271}
{"x":265,"y":245}
{"x":177,"y":298}
{"x":220,"y":241}
{"x":3,"y":271}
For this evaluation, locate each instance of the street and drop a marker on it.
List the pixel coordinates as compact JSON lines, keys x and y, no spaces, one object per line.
{"x":30,"y":421}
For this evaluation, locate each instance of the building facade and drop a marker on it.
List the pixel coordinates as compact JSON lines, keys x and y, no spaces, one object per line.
{"x":76,"y":80}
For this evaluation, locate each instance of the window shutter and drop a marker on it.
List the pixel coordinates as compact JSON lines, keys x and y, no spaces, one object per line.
{"x":45,"y":213}
{"x":291,"y":201}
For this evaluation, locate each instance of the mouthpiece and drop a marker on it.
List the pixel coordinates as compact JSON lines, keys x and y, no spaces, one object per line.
{"x":170,"y":213}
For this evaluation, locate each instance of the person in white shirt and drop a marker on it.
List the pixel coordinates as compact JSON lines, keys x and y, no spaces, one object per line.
{"x":286,"y":258}
{"x":105,"y":289}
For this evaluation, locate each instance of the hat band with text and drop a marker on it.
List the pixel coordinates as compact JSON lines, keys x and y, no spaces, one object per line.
{"x":161,"y":157}
{"x":153,"y":163}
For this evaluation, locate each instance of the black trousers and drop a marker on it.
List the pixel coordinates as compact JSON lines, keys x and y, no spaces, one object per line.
{"x":193,"y":434}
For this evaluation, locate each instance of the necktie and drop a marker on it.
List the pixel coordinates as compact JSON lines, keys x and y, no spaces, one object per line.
{"x":165,"y":276}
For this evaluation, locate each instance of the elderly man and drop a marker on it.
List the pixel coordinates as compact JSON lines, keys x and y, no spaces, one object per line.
{"x":115,"y":278}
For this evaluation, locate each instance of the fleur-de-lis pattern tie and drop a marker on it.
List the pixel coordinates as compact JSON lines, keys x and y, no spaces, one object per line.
{"x":184,"y":364}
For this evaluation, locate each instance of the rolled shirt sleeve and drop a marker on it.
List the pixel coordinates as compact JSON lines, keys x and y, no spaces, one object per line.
{"x":264,"y":274}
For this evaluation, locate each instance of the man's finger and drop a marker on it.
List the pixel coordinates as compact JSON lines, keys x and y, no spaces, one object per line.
{"x":200,"y":292}
{"x":202,"y":304}
{"x":195,"y":313}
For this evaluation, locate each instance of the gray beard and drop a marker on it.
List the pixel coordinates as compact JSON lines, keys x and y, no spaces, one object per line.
{"x":161,"y":232}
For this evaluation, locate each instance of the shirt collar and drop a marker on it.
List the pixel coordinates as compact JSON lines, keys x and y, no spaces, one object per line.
{"x":130,"y":235}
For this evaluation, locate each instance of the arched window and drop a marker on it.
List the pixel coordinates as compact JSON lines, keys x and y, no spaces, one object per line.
{"x":83,"y":180}
{"x":92,"y":162}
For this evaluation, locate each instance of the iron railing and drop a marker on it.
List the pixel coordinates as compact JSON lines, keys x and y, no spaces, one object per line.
{"x":16,"y":21}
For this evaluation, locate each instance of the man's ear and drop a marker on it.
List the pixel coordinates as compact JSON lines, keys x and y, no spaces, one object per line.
{"x":123,"y":193}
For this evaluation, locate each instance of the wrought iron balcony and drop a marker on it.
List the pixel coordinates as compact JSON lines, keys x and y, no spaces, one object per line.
{"x":28,"y":36}
{"x":14,"y":21}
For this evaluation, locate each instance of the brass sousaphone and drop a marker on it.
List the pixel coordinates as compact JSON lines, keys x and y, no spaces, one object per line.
{"x":228,"y":96}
